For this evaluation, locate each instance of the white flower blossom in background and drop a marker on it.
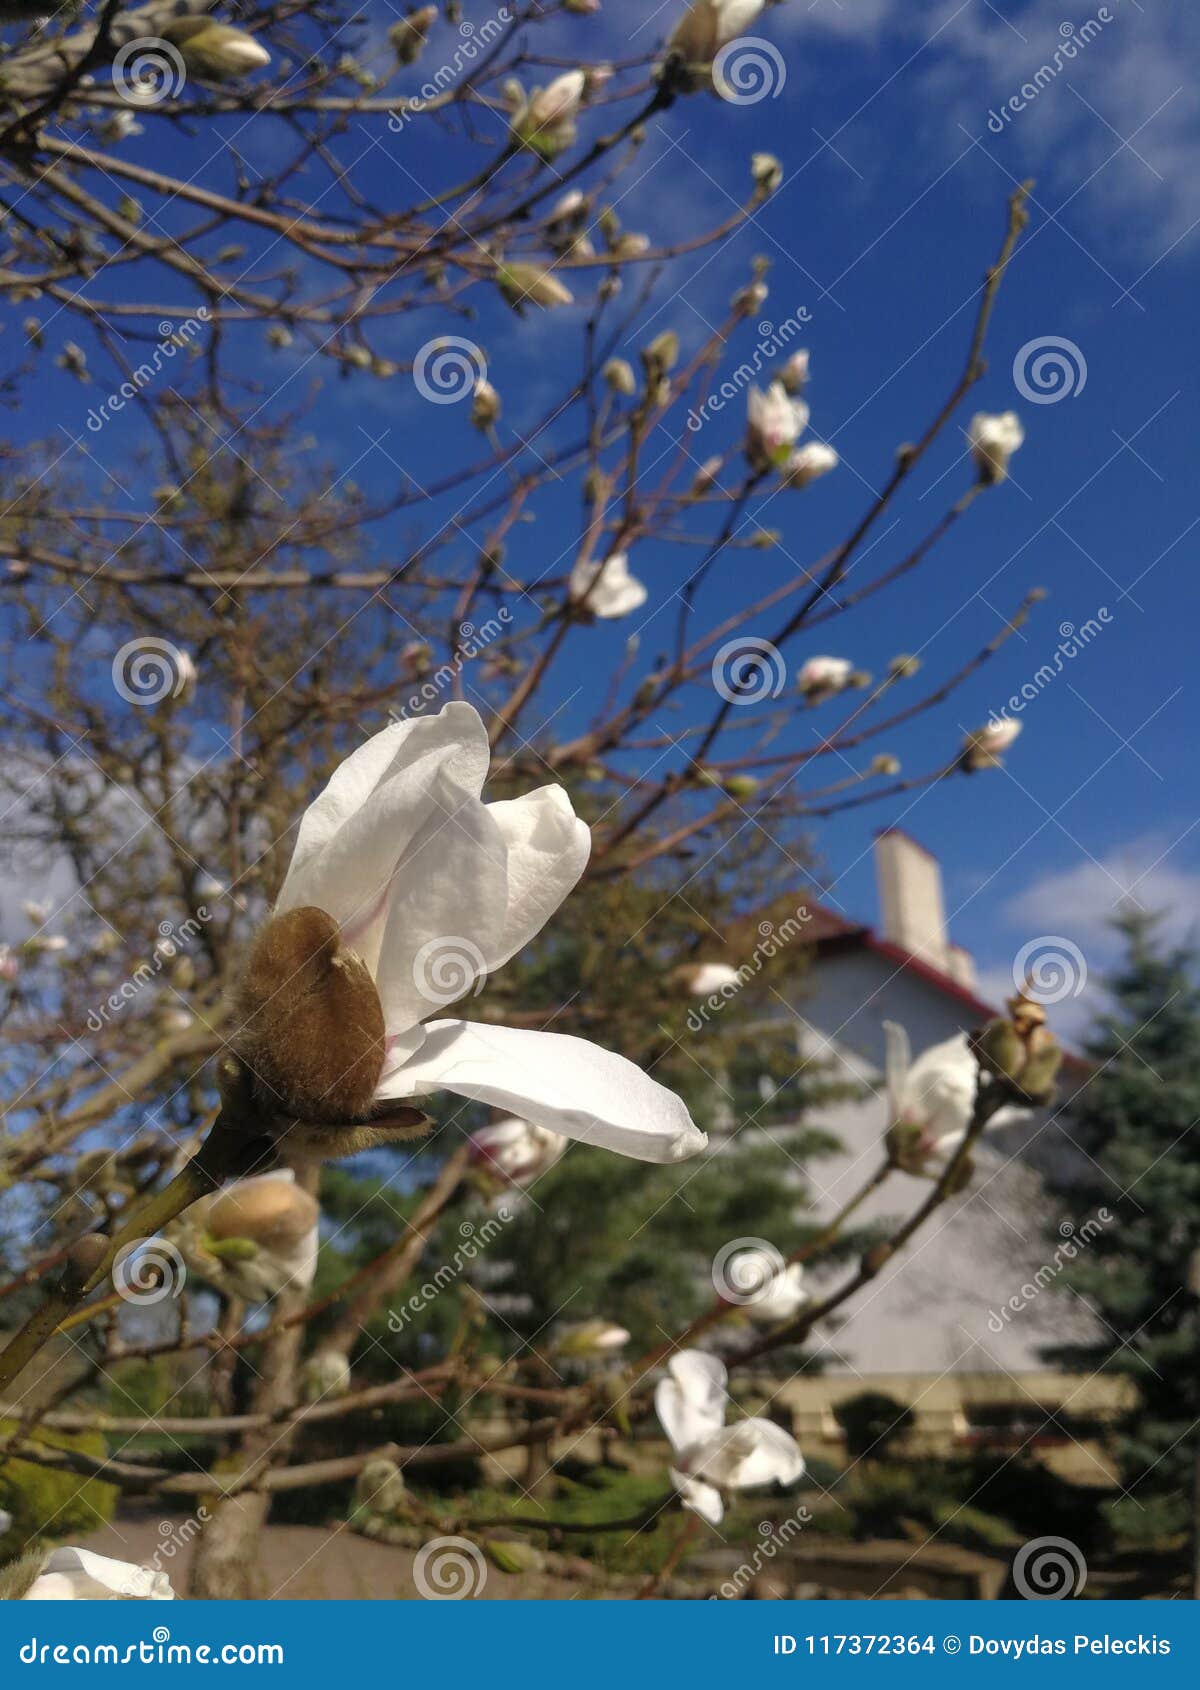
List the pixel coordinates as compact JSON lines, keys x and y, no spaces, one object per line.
{"x":709,"y":25}
{"x":433,"y":890}
{"x":545,"y":123}
{"x":820,"y":677}
{"x":931,"y":1101}
{"x":808,"y":463}
{"x":253,"y":1239}
{"x":708,"y":977}
{"x":774,"y":421}
{"x":517,"y":1150}
{"x":775,"y":1291}
{"x":691,"y":1404}
{"x":78,"y":1575}
{"x":607,"y":589}
{"x":993,"y":440}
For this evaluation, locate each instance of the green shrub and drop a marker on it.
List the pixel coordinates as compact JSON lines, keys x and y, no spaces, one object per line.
{"x":52,"y":1506}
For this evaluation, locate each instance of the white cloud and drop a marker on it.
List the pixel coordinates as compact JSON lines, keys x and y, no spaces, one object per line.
{"x":1077,"y":905}
{"x":1124,"y":107}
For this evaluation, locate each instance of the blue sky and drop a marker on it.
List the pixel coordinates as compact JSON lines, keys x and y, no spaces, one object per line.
{"x":896,"y":127}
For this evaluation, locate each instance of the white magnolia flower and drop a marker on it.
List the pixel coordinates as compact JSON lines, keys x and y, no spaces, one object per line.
{"x":708,"y":25}
{"x":768,"y":1289}
{"x":933,"y":1098}
{"x":807,"y":464}
{"x":691,"y":1404}
{"x":709,"y":977}
{"x":433,"y":890}
{"x":774,"y":421}
{"x":616,"y":592}
{"x":993,"y":440}
{"x":74,"y":1575}
{"x":254,"y":1238}
{"x":517,"y":1150}
{"x":820,"y":676}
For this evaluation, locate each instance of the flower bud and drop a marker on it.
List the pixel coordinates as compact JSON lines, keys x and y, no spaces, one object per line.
{"x":794,"y":374}
{"x":706,"y":475}
{"x":310,"y":1020}
{"x":408,"y":37}
{"x":1000,"y":1050}
{"x":380,"y":1488}
{"x":661,"y":355}
{"x":214,"y":51}
{"x":982,"y":749}
{"x":619,"y":376}
{"x":527,"y":284}
{"x":767,"y":173}
{"x":993,"y":440}
{"x":885,"y":764}
{"x":485,"y":404}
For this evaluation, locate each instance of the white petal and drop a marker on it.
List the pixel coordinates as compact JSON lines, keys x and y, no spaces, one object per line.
{"x":354,"y":838}
{"x":563,"y":1083}
{"x":548,"y":848}
{"x":445,"y":909}
{"x":748,"y":1453}
{"x":691,"y":1402}
{"x":898,"y":1061}
{"x":699,"y":1497}
{"x":97,"y":1576}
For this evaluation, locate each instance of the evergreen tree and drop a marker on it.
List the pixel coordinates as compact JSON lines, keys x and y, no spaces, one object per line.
{"x":1138,"y":1123}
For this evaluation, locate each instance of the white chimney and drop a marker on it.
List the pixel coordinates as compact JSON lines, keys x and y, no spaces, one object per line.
{"x":910,"y":897}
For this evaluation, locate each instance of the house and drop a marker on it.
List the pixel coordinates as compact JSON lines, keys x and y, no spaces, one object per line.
{"x":955,"y":1323}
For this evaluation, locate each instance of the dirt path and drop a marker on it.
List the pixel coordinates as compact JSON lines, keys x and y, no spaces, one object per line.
{"x":312,"y":1564}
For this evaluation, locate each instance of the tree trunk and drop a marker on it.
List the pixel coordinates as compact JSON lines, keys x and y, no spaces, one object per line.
{"x":228,"y":1561}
